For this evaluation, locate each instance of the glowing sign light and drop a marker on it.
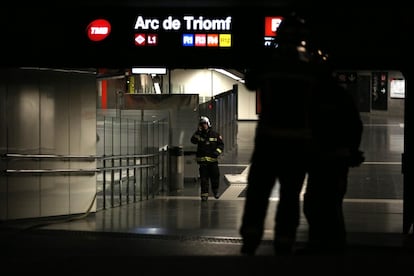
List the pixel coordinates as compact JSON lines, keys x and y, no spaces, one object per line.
{"x":200,"y":40}
{"x":200,"y":31}
{"x":98,"y":29}
{"x":225,"y":40}
{"x":272,"y":24}
{"x":209,"y":40}
{"x":191,"y":23}
{"x":188,"y":40}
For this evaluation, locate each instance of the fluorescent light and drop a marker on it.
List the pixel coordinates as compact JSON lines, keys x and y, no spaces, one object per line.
{"x":157,"y":88}
{"x":147,"y":70}
{"x":228,"y":74}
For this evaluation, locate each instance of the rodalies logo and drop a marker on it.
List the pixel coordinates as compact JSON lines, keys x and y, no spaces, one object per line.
{"x":98,"y":30}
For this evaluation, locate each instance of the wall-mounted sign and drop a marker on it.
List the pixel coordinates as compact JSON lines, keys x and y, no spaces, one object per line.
{"x":379,"y":90}
{"x":270,"y":30}
{"x":187,"y":23}
{"x":190,"y":36}
{"x":397,"y":88}
{"x":98,"y":29}
{"x":192,"y":31}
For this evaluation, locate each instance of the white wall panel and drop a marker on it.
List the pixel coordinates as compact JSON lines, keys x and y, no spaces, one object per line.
{"x":48,"y":113}
{"x":82,"y":192}
{"x":54,"y":140}
{"x":23,"y":196}
{"x":209,"y":83}
{"x":54,"y":195}
{"x":3,"y":142}
{"x":82,"y":129}
{"x":23,"y":138}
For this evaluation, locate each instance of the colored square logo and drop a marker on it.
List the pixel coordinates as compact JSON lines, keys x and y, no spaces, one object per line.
{"x":212,"y":40}
{"x":200,"y":40}
{"x":225,"y":40}
{"x":152,"y":39}
{"x":140,"y":39}
{"x":272,"y":24}
{"x":188,"y":39}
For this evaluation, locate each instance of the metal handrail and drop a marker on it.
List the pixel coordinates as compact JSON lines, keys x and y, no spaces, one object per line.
{"x":88,"y":157}
{"x":124,"y":167}
{"x":50,"y":156}
{"x":17,"y":156}
{"x":127,"y":156}
{"x":50,"y":171}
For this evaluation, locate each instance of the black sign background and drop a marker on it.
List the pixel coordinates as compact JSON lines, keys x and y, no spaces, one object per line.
{"x":56,"y":36}
{"x":62,"y":36}
{"x":247,"y":33}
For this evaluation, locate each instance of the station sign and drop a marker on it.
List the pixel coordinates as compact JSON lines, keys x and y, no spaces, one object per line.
{"x":191,"y":30}
{"x":194,"y":31}
{"x":98,"y":30}
{"x":189,"y":36}
{"x":271,"y":25}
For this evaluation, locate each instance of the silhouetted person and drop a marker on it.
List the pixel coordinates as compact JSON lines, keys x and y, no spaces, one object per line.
{"x":308,"y":124}
{"x":282,"y":139}
{"x":209,"y":147}
{"x":336,"y":135}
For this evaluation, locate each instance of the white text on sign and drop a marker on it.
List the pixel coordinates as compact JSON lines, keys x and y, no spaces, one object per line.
{"x":191,"y":23}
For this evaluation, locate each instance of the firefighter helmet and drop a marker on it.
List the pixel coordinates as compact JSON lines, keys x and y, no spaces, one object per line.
{"x":204,"y":120}
{"x":297,"y":39}
{"x":296,"y":52}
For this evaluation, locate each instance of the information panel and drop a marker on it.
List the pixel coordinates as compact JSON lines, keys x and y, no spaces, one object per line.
{"x":102,"y":36}
{"x":183,"y":37}
{"x":193,"y":31}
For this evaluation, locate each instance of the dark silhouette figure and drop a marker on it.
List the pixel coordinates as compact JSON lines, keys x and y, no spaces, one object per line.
{"x":281,"y":152}
{"x":209,"y":147}
{"x":336,"y":133}
{"x":282,"y":139}
{"x":296,"y":92}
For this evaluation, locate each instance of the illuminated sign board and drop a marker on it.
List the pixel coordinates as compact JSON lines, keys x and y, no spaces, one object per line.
{"x":194,"y":31}
{"x":270,"y":30}
{"x":187,"y":36}
{"x":190,"y":30}
{"x":189,"y":23}
{"x":98,"y":29}
{"x":397,"y":88}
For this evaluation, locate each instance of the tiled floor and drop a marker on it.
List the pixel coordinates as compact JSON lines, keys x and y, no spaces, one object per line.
{"x":373,"y":208}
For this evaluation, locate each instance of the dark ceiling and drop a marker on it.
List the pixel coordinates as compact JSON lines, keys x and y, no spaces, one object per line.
{"x":357,"y":35}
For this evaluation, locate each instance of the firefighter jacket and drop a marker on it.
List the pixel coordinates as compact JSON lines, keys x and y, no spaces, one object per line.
{"x":209,"y":145}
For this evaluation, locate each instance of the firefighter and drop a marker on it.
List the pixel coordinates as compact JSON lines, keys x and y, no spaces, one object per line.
{"x":308,"y":125}
{"x":337,"y":132}
{"x":282,"y":139}
{"x":210,"y":146}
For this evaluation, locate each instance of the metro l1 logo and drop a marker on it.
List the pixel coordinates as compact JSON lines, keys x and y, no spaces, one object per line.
{"x":140,"y":39}
{"x":146,"y":39}
{"x":98,"y":29}
{"x":271,"y":25}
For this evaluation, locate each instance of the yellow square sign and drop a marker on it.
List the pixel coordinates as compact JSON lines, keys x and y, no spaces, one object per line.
{"x":225,"y":40}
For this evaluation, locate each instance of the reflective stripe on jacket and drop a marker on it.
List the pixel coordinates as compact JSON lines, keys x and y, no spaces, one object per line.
{"x":209,"y":145}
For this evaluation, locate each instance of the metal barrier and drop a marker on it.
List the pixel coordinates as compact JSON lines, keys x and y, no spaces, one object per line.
{"x":176,"y":168}
{"x":130,"y":178}
{"x":124,"y":178}
{"x":18,"y":156}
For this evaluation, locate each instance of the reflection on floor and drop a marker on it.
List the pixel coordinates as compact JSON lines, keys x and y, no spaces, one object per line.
{"x":373,"y":205}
